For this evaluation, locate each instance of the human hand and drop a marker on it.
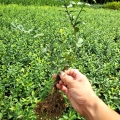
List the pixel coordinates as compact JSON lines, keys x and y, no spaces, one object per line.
{"x":77,"y":88}
{"x":82,"y":97}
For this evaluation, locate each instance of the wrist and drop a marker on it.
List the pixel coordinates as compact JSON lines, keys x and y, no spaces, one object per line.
{"x":90,"y":108}
{"x":96,"y":109}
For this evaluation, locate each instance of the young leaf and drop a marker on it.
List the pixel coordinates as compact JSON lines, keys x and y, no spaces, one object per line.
{"x":1,"y":116}
{"x":78,"y":22}
{"x":72,"y":11}
{"x":79,"y":43}
{"x":76,"y":29}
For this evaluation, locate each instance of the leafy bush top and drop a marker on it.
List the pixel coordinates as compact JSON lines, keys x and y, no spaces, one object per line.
{"x":112,"y":5}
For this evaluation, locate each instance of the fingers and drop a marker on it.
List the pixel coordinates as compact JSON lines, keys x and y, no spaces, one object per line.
{"x":68,"y":80}
{"x":69,"y":76}
{"x":62,"y":88}
{"x":70,"y":71}
{"x":73,"y":72}
{"x":55,"y":76}
{"x":61,"y":82}
{"x":61,"y":85}
{"x":76,"y":74}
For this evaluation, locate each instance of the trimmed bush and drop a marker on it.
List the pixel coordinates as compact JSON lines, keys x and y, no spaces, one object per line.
{"x":113,"y":5}
{"x":35,"y":2}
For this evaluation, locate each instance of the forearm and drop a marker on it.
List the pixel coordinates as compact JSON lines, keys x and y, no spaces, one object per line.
{"x":98,"y":110}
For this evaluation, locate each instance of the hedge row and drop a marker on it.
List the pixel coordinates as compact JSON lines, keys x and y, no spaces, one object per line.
{"x":50,"y":2}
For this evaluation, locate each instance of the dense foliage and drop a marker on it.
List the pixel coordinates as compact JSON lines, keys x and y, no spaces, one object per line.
{"x":51,"y":2}
{"x":33,"y":41}
{"x":99,"y":1}
{"x":113,"y":5}
{"x":35,"y":2}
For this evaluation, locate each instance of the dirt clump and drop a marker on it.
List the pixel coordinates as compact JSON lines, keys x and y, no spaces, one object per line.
{"x":52,"y":107}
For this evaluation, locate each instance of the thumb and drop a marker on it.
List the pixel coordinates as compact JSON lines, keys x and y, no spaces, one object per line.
{"x":68,"y":80}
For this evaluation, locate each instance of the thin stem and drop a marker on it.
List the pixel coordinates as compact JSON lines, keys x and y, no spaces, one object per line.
{"x":76,"y":39}
{"x":73,"y":24}
{"x":71,"y":21}
{"x":79,"y":13}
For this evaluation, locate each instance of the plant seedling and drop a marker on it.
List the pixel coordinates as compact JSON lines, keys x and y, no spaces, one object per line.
{"x":53,"y":106}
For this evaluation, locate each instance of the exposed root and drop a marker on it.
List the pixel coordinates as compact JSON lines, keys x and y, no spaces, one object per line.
{"x":52,"y":107}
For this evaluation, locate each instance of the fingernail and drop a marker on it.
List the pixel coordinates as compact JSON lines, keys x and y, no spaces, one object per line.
{"x":62,"y":73}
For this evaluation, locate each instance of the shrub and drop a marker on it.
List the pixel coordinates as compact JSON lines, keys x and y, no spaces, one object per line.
{"x":35,"y":2}
{"x":113,"y":5}
{"x":98,"y":1}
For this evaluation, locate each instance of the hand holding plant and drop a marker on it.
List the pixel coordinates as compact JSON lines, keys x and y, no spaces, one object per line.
{"x":78,"y":90}
{"x":82,"y":97}
{"x":54,"y":104}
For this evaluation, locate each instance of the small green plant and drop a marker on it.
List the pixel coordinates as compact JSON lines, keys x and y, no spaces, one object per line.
{"x":53,"y":106}
{"x":74,"y":22}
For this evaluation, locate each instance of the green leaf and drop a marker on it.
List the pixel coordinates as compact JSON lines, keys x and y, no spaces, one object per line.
{"x":72,"y":11}
{"x":73,"y":59}
{"x":94,"y":1}
{"x":20,"y":116}
{"x":68,"y":57}
{"x":1,"y":115}
{"x":84,"y":10}
{"x":65,"y":117}
{"x":63,"y":10}
{"x":76,"y":29}
{"x":78,"y":22}
{"x":79,"y":43}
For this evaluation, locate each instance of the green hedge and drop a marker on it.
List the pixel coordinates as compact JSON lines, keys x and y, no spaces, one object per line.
{"x":31,"y":2}
{"x":50,"y":2}
{"x":99,"y":1}
{"x":35,"y":2}
{"x":113,"y":5}
{"x":32,"y":45}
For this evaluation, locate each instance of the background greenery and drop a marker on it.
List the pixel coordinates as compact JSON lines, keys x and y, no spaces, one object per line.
{"x":112,"y":5}
{"x":51,"y":2}
{"x":35,"y":2}
{"x":100,"y":1}
{"x":33,"y":41}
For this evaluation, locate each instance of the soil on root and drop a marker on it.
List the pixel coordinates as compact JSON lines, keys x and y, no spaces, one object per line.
{"x":52,"y":107}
